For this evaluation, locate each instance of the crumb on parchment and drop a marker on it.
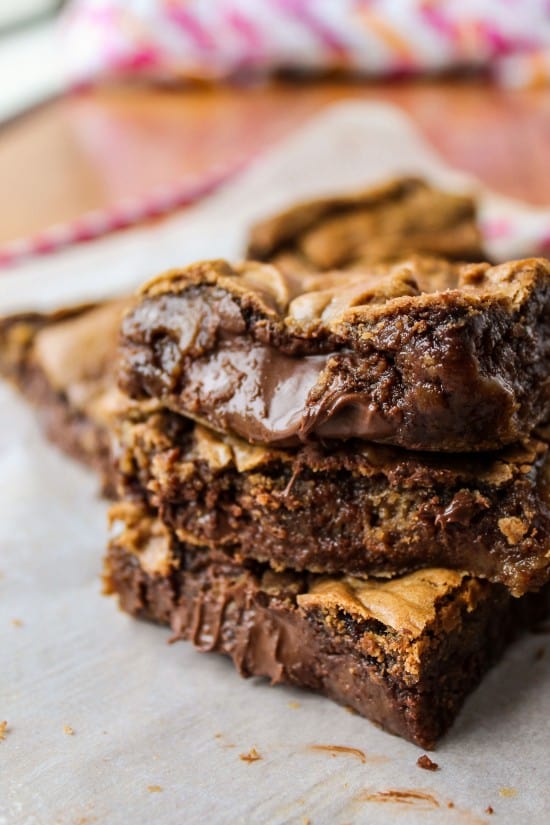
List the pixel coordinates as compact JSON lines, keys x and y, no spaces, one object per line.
{"x":68,"y":730}
{"x":154,"y":788}
{"x":251,"y":756}
{"x":508,"y":792}
{"x":426,"y":763}
{"x":3,"y":730}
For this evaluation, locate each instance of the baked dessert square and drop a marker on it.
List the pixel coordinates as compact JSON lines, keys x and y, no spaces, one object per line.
{"x":403,"y":652}
{"x":423,"y":354}
{"x":64,"y":363}
{"x":353,"y":508}
{"x":383,"y":222}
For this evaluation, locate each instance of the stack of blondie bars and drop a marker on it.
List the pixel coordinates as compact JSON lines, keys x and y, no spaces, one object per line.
{"x":332,"y":460}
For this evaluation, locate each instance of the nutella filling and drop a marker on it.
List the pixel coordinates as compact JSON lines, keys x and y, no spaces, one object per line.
{"x":268,"y":397}
{"x":370,"y":355}
{"x":202,"y":364}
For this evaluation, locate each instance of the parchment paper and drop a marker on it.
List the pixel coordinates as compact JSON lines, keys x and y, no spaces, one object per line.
{"x":158,"y":730}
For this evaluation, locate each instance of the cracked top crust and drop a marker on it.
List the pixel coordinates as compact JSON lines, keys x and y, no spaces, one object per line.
{"x":381,"y":223}
{"x":406,"y":604}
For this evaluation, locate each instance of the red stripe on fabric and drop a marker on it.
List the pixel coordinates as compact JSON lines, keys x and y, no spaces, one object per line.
{"x":98,"y":224}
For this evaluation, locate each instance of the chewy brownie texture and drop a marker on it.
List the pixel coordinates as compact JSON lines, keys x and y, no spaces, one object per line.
{"x":64,"y":364}
{"x":403,"y":652}
{"x":353,"y":508}
{"x":381,"y":223}
{"x":422,"y":354}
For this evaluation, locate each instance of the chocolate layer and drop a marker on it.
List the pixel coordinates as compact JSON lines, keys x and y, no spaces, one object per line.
{"x":404,"y":653}
{"x":399,"y":217}
{"x":64,"y":364}
{"x":422,"y":354}
{"x":358,"y":508}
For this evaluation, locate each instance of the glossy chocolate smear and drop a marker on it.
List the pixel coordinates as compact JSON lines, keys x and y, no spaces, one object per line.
{"x":201,"y":358}
{"x":268,"y":397}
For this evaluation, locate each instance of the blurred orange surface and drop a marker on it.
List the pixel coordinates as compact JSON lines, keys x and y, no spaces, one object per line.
{"x":95,"y":148}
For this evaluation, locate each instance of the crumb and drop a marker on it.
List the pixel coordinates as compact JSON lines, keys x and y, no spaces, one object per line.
{"x":306,"y":820}
{"x":489,"y":809}
{"x":154,"y":788}
{"x":251,"y":756}
{"x":450,"y":804}
{"x":351,"y":710}
{"x":294,"y":705}
{"x":508,"y":792}
{"x":426,"y":763}
{"x":3,"y":730}
{"x":218,"y":735}
{"x":17,"y":623}
{"x":539,"y":653}
{"x":68,"y":730}
{"x":513,"y":529}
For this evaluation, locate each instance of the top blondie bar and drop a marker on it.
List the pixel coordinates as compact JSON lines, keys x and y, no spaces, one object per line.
{"x":382,"y":223}
{"x":422,"y":353}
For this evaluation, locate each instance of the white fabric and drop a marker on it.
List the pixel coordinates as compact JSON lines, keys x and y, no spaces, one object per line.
{"x":31,"y":69}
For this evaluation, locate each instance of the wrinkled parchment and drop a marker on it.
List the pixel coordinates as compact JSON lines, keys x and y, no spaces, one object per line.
{"x":107,"y":723}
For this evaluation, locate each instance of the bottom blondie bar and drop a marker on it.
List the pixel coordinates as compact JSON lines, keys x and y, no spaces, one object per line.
{"x":403,"y":652}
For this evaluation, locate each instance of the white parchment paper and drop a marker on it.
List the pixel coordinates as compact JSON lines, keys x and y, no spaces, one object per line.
{"x":158,"y":730}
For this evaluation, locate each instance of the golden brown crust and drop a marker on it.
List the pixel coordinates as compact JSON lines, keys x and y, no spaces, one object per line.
{"x":221,"y":452}
{"x":335,"y":302}
{"x":380,"y":223}
{"x":406,"y":604}
{"x":144,"y":536}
